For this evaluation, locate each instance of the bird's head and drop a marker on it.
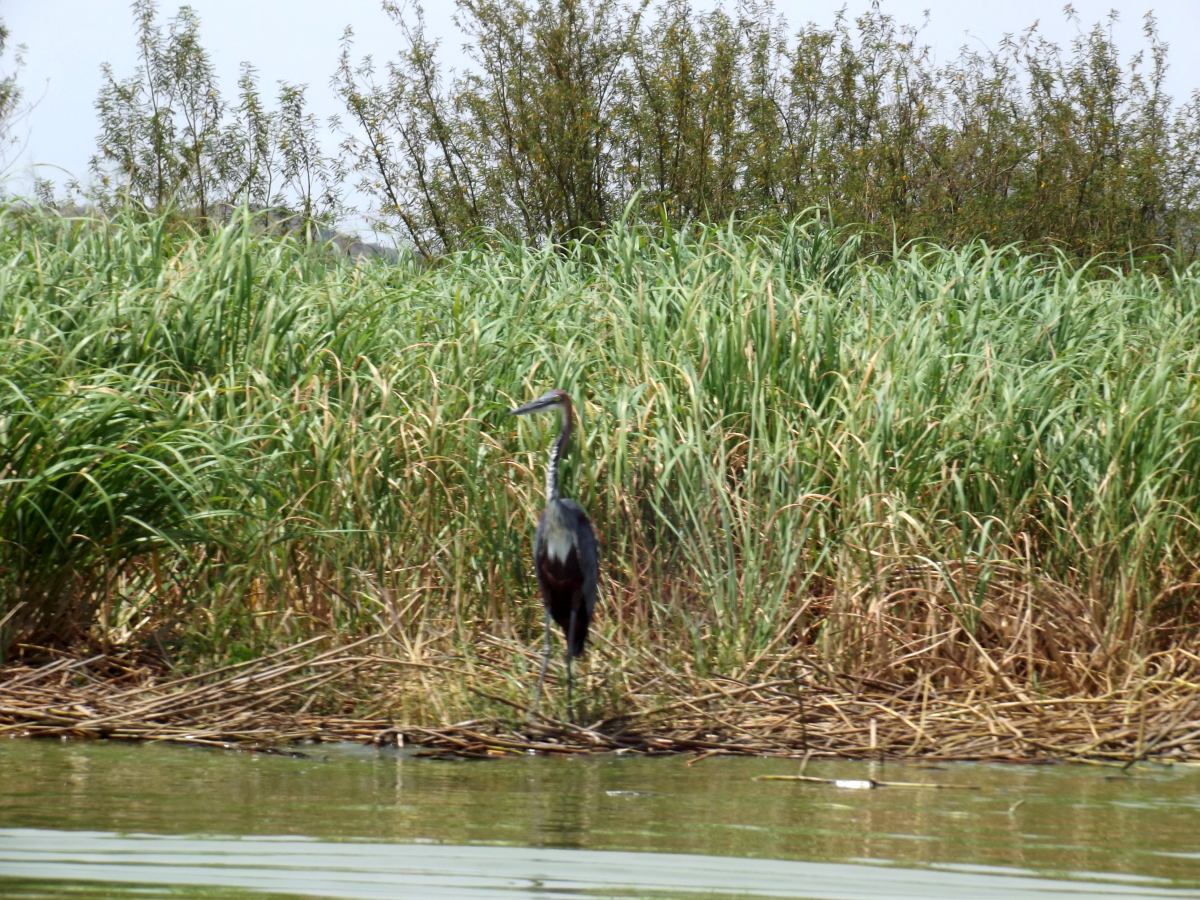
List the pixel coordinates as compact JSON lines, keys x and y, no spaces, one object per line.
{"x":555,"y":399}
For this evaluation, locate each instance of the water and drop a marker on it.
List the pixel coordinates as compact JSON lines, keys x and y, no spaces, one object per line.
{"x":96,"y":819}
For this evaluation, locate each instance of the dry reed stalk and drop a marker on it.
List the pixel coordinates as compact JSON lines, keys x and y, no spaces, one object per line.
{"x":268,"y":703}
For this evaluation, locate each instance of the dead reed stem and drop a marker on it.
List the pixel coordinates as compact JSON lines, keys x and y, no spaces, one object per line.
{"x":351,"y":692}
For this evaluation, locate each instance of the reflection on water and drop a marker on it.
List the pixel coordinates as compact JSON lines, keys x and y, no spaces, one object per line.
{"x":117,"y":864}
{"x":361,"y":811}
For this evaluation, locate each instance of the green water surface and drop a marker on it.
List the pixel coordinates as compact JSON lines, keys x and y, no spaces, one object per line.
{"x":100,"y":819}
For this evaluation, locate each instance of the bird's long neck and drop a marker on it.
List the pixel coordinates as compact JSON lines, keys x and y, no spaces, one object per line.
{"x":557,"y":450}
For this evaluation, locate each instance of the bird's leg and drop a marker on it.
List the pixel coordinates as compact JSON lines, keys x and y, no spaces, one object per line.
{"x":570,"y":684}
{"x":537,"y":697}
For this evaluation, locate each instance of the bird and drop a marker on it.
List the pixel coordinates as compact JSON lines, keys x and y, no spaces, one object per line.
{"x":566,"y":558}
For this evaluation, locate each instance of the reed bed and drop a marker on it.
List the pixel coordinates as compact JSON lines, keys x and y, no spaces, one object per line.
{"x":266,"y":705}
{"x":961,"y":482}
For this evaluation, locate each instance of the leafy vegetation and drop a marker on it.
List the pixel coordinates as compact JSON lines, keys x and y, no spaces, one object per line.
{"x":930,"y":462}
{"x":571,"y":109}
{"x":571,"y":112}
{"x":952,"y":446}
{"x":168,"y":138}
{"x":10,"y":98}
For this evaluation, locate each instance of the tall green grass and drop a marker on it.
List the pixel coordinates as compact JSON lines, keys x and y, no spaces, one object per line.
{"x":940,"y":460}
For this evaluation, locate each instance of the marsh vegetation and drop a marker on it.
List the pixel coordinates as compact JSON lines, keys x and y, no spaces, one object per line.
{"x":966,"y":472}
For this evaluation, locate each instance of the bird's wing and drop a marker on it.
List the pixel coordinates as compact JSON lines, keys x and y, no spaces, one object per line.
{"x":589,"y":561}
{"x":588,"y":552}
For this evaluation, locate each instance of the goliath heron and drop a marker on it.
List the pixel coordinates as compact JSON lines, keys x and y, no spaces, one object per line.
{"x":565,"y":557}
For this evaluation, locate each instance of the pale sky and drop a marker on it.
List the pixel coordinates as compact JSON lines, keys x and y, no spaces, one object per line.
{"x":297,"y":41}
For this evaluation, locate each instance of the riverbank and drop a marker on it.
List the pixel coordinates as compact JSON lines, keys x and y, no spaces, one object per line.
{"x":315,"y":692}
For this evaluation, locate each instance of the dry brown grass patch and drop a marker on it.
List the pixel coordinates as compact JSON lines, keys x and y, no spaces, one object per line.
{"x":374,"y":690}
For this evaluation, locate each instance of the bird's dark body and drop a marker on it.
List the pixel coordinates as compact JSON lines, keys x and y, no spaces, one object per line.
{"x":568,"y":580}
{"x":565,"y":555}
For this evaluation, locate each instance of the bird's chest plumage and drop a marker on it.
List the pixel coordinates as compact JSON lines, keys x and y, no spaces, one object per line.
{"x":557,"y":558}
{"x":560,"y":574}
{"x":559,"y":545}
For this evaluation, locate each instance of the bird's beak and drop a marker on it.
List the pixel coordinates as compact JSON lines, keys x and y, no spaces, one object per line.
{"x":543,"y":402}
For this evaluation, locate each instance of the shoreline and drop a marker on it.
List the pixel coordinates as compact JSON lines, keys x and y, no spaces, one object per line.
{"x":301,"y":694}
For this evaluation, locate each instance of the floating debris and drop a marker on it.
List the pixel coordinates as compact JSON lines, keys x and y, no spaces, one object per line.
{"x":865,"y":784}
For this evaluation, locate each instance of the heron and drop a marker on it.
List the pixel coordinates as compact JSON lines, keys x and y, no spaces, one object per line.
{"x":565,"y":556}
